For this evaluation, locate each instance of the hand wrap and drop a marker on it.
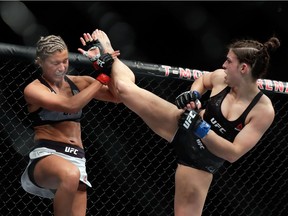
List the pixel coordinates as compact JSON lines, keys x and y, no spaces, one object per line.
{"x":186,"y":97}
{"x":191,"y":120}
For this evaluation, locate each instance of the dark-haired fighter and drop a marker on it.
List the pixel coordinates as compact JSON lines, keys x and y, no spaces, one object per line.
{"x":231,"y":124}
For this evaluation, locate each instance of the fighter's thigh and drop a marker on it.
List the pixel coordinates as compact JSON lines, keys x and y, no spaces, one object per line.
{"x":192,"y":183}
{"x":159,"y":114}
{"x":49,"y":171}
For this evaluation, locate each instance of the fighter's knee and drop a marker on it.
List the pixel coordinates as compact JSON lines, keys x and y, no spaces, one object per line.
{"x":70,"y":179}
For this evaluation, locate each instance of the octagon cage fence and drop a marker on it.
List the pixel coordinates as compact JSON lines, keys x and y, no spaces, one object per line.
{"x":131,"y":168}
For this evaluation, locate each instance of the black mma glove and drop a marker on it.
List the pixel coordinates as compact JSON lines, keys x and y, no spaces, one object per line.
{"x":90,"y":45}
{"x":186,"y":97}
{"x":103,"y":66}
{"x":192,"y":121}
{"x":102,"y":63}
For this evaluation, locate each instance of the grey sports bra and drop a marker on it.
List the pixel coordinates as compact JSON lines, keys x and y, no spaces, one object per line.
{"x":44,"y":116}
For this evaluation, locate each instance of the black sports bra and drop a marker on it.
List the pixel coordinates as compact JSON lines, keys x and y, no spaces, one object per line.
{"x":219,"y":124}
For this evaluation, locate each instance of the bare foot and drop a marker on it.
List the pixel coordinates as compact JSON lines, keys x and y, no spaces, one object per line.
{"x":104,"y":40}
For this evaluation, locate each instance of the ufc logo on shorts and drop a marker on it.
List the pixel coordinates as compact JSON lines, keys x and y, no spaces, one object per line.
{"x":188,"y":120}
{"x":199,"y":143}
{"x":71,"y":150}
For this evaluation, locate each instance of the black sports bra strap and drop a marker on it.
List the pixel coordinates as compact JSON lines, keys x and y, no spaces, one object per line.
{"x":72,"y":85}
{"x":46,"y":84}
{"x":253,"y":102}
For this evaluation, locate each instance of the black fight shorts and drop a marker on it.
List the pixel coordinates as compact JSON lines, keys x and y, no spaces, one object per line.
{"x":190,"y":151}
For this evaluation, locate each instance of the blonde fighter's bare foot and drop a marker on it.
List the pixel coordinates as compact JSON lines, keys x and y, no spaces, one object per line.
{"x":104,"y":40}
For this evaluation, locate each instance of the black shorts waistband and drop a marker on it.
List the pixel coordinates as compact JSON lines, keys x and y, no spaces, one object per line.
{"x":65,"y":148}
